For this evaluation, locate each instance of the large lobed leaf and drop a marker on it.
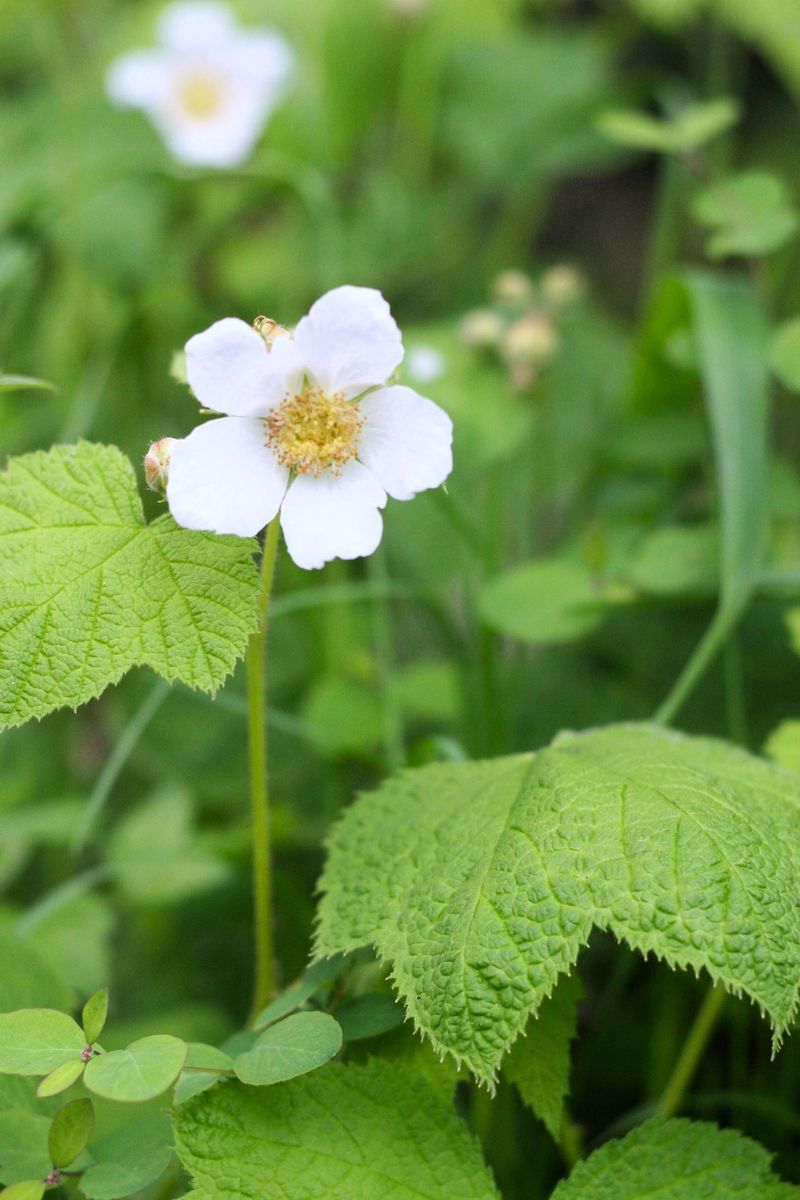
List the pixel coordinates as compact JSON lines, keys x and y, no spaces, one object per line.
{"x":88,"y":590}
{"x":480,"y":882}
{"x":342,"y":1133}
{"x":677,"y":1160}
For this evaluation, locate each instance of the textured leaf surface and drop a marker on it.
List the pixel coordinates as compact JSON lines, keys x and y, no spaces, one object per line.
{"x":87,"y":590}
{"x":677,"y":1160}
{"x":479,"y":882}
{"x":538,"y":1063}
{"x":369,"y":1132}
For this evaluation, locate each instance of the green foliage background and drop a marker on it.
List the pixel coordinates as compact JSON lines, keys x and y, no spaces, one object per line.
{"x":592,"y":530}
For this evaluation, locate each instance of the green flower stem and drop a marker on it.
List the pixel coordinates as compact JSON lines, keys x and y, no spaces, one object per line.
{"x":256,"y":663}
{"x":693,"y":1048}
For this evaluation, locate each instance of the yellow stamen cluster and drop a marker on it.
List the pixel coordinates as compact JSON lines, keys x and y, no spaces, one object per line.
{"x":314,"y":432}
{"x":201,"y":96}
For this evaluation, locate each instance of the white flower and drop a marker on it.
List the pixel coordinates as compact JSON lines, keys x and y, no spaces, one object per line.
{"x":314,"y":427}
{"x":208,"y":87}
{"x":425,"y":364}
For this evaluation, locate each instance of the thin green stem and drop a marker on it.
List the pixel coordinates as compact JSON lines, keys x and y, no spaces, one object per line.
{"x":693,"y":1048}
{"x":116,"y":761}
{"x":255,"y":663}
{"x":705,"y":652}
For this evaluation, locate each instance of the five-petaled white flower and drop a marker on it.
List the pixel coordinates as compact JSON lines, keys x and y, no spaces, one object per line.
{"x":315,"y":428}
{"x":208,"y":87}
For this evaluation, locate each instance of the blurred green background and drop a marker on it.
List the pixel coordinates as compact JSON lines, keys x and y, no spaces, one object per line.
{"x":422,"y":149}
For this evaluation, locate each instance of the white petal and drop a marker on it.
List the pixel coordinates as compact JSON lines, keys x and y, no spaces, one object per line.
{"x":222,"y":477}
{"x":264,"y":58}
{"x":195,"y":25}
{"x":226,"y":141}
{"x":332,"y":516}
{"x":406,"y":441}
{"x":349,"y":340}
{"x":231,"y":371}
{"x":139,"y":80}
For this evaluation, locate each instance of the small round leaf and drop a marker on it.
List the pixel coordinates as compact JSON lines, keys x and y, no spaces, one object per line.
{"x":61,"y":1078}
{"x":70,"y":1131}
{"x":34,"y":1041}
{"x":141,"y":1072}
{"x":299,"y":1044}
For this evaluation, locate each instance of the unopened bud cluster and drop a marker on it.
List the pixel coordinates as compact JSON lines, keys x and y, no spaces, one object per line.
{"x":520,"y":325}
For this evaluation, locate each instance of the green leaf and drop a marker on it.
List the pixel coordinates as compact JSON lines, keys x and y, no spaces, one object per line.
{"x":95,"y":1012}
{"x":141,"y":1072}
{"x":33,"y":1041}
{"x":784,"y":353}
{"x":731,"y":335}
{"x":368,"y":1131}
{"x":688,"y":130}
{"x":31,"y":1189}
{"x":24,"y":383}
{"x":484,"y":879}
{"x":70,"y":1132}
{"x":76,"y":938}
{"x":87,"y":590}
{"x":543,"y":602}
{"x":730,"y":331}
{"x":23,"y":1145}
{"x":155,"y":854}
{"x":676,"y":1160}
{"x":206,"y":1063}
{"x":700,"y":123}
{"x":298,"y":1044}
{"x":201,"y":1057}
{"x":639,"y":130}
{"x":61,"y":1078}
{"x":369,"y":1016}
{"x":538,"y":1062}
{"x":319,"y":975}
{"x":677,"y":561}
{"x":783,"y":746}
{"x":26,"y":980}
{"x":749,"y":214}
{"x":128,"y":1160}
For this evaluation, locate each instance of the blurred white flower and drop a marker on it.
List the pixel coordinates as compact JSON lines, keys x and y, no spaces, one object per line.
{"x":314,"y":427}
{"x":208,"y":87}
{"x":425,"y":364}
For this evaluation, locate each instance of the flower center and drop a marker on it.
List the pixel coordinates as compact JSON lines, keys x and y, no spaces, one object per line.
{"x":313,"y":432}
{"x":201,"y":96}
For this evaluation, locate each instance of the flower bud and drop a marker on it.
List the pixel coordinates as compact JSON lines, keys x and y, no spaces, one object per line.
{"x":532,"y":340}
{"x":269,"y":330}
{"x":481,"y":329}
{"x":512,"y":289}
{"x":562,"y":285}
{"x":156,"y":464}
